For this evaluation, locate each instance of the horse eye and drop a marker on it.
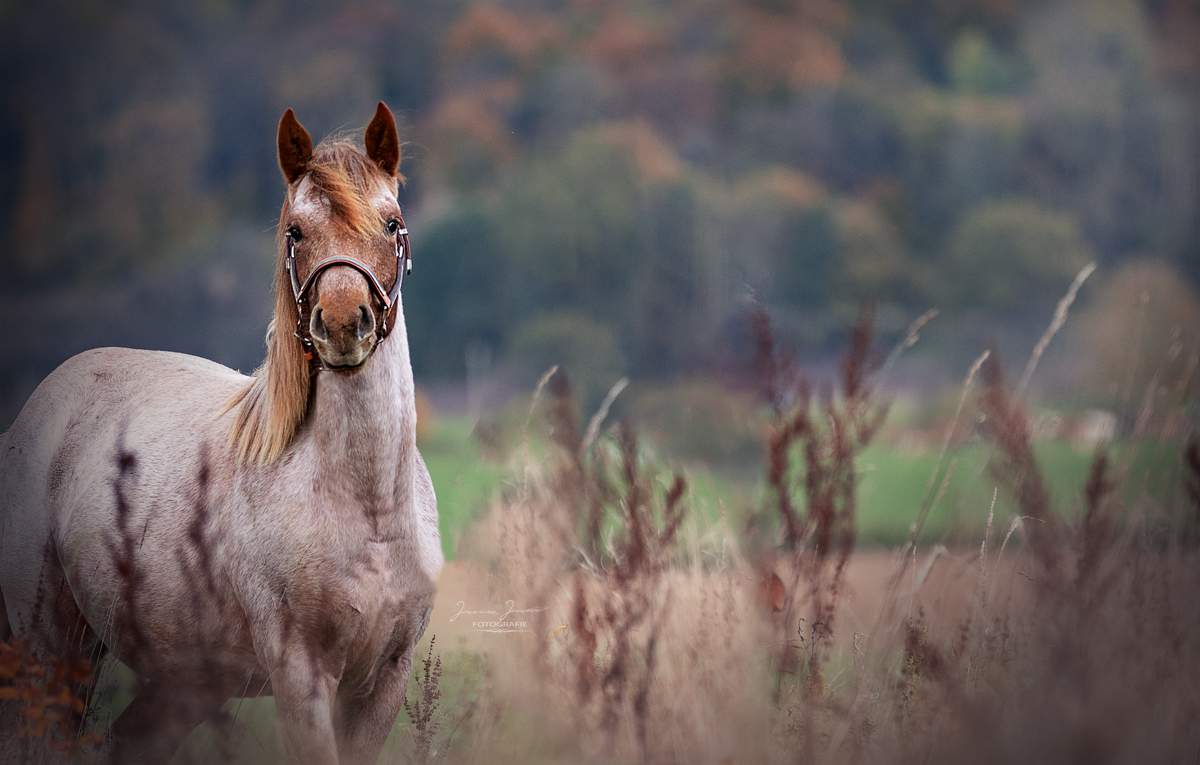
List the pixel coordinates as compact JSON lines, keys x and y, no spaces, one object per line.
{"x":294,"y":234}
{"x":393,"y":226}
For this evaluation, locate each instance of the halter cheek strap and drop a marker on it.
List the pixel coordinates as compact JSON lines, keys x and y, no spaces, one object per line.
{"x":388,"y":298}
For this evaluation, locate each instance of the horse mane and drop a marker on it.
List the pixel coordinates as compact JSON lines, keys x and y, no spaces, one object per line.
{"x":274,"y":403}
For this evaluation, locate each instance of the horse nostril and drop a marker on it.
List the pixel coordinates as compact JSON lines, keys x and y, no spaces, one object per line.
{"x":317,"y":326}
{"x":366,"y":322}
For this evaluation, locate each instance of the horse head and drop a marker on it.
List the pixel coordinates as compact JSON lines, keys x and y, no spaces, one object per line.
{"x":344,"y":240}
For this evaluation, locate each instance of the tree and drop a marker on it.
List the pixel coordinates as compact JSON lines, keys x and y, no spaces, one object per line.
{"x":586,"y":349}
{"x":455,"y":296}
{"x":1011,"y":255}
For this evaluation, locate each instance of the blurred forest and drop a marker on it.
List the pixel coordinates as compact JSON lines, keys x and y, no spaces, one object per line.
{"x":608,"y":184}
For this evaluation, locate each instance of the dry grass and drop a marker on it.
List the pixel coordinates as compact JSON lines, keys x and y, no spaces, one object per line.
{"x":48,"y":695}
{"x":1065,"y":637}
{"x":634,"y":606}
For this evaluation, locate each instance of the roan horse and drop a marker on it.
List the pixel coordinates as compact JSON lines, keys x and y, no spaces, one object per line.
{"x":231,"y":536}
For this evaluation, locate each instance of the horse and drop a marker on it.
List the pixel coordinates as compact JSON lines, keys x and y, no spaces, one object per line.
{"x":229,"y":536}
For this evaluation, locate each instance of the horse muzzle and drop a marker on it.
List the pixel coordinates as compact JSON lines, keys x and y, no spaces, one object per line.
{"x":344,"y":333}
{"x":343,"y":324}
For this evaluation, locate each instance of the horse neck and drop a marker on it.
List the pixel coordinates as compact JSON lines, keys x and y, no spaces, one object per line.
{"x":364,"y":426}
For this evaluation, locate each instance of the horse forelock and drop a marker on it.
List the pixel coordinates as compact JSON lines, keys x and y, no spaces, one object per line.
{"x":349,"y":180}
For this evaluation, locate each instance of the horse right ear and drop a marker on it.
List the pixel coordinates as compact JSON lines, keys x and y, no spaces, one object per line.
{"x":295,"y":147}
{"x":383,"y":145}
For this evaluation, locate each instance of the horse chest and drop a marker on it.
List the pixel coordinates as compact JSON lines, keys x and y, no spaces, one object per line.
{"x":367,"y":612}
{"x":375,"y":585}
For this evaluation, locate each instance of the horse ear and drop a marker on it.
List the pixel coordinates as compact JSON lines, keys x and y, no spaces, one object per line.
{"x":295,"y":147}
{"x":383,"y":145}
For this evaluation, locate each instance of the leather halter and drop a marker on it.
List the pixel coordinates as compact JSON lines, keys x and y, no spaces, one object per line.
{"x":388,"y":298}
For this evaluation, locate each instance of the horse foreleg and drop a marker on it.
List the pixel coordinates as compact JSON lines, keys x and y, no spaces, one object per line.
{"x":304,"y":698}
{"x":365,"y":721}
{"x":157,"y":721}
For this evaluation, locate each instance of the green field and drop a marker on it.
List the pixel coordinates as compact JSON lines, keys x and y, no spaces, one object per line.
{"x":463,"y":479}
{"x":892,"y":485}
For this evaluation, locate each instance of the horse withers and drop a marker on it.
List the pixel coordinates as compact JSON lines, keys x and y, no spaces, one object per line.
{"x":228,"y":536}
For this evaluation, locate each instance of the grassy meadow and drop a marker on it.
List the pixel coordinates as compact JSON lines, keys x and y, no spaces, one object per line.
{"x":686,"y":654}
{"x":833,"y":587}
{"x":1002,"y":594}
{"x":893,"y":481}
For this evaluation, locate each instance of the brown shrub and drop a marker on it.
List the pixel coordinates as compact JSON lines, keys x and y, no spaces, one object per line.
{"x":597,"y":538}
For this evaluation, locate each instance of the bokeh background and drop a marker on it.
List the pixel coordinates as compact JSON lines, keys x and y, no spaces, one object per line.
{"x":615,"y":185}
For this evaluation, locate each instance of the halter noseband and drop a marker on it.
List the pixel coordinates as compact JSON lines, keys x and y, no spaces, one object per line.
{"x":388,"y":298}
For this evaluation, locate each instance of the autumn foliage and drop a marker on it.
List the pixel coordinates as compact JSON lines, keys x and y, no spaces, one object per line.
{"x":50,"y":695}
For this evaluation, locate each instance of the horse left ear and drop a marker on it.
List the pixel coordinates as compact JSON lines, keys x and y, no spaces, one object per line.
{"x":383,"y":145}
{"x":295,"y":147}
